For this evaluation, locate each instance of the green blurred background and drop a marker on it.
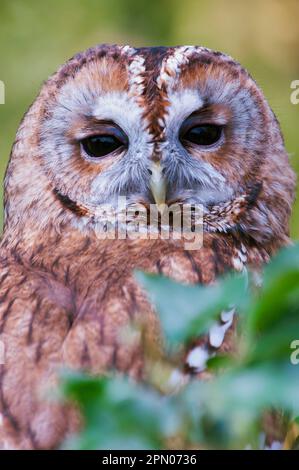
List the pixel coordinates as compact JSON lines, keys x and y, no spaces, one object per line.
{"x":37,"y":36}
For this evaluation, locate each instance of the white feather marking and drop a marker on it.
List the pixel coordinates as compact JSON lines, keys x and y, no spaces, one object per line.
{"x":136,"y":71}
{"x":257,"y":278}
{"x":237,"y":264}
{"x":177,"y":380}
{"x":128,"y":50}
{"x":197,"y":358}
{"x":217,"y":332}
{"x":227,"y":315}
{"x":171,"y":66}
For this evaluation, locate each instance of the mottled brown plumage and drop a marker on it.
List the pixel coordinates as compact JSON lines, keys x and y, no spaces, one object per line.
{"x":65,"y":294}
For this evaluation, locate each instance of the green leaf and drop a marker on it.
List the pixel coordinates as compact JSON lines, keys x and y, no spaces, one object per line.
{"x":219,"y":362}
{"x":119,"y":413}
{"x":229,"y":407}
{"x":279,"y":295}
{"x":274,"y":343}
{"x":285,"y":261}
{"x":187,"y":311}
{"x":278,"y":299}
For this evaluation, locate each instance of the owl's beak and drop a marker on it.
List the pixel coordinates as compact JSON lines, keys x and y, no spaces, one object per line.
{"x":158,"y":185}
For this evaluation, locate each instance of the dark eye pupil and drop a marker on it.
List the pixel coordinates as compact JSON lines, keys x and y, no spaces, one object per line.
{"x":207,"y":134}
{"x":101,"y":145}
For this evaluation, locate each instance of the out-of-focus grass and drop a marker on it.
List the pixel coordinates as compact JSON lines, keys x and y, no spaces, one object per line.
{"x":36,"y":37}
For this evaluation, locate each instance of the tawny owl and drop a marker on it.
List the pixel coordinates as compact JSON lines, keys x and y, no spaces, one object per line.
{"x":149,"y":125}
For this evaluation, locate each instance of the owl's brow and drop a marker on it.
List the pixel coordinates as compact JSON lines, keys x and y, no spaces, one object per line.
{"x":88,"y":125}
{"x":215,"y":113}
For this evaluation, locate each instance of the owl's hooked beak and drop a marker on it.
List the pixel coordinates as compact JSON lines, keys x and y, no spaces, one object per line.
{"x":158,"y":185}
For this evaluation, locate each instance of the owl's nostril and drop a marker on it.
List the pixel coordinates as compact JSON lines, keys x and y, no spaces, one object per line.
{"x":150,"y":171}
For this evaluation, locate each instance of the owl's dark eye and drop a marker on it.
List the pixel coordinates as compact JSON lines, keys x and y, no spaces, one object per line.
{"x":103,"y":144}
{"x":204,"y":134}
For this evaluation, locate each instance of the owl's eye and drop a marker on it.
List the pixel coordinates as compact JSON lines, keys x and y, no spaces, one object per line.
{"x":204,"y":135}
{"x":103,"y":144}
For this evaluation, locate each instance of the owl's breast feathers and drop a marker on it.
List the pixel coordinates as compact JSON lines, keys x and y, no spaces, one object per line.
{"x":72,"y":284}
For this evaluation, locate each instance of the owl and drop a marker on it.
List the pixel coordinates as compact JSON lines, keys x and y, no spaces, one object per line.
{"x":153,"y":127}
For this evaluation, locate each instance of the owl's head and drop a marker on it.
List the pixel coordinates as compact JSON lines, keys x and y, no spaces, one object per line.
{"x":156,"y":125}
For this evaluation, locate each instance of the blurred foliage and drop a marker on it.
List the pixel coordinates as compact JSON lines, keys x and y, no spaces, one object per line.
{"x":36,"y":37}
{"x":234,"y":409}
